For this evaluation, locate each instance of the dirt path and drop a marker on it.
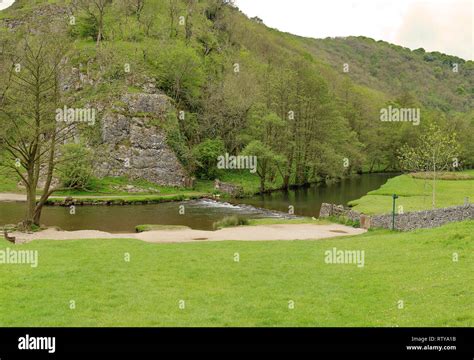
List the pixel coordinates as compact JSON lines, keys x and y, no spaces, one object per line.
{"x":244,"y":233}
{"x":12,"y":197}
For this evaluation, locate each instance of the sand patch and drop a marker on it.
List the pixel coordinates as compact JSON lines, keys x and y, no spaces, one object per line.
{"x":243,"y":233}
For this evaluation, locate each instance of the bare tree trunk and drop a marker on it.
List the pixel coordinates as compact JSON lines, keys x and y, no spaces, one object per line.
{"x":31,"y":204}
{"x":99,"y":35}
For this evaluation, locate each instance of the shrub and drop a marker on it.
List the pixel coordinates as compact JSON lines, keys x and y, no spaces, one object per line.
{"x":205,"y":155}
{"x":75,"y":169}
{"x":230,"y":221}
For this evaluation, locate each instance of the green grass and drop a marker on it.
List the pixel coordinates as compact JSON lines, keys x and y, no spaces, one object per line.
{"x":415,"y":267}
{"x":229,"y":222}
{"x":9,"y":183}
{"x":147,"y":227}
{"x":415,"y":194}
{"x":113,"y":189}
{"x":116,"y":186}
{"x":250,"y":182}
{"x":299,"y":220}
{"x":466,"y":175}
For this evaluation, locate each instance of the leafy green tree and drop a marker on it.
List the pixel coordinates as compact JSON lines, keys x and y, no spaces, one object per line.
{"x":435,"y":151}
{"x":29,"y":133}
{"x":266,"y":159}
{"x":179,"y":73}
{"x":95,"y":10}
{"x":206,"y":155}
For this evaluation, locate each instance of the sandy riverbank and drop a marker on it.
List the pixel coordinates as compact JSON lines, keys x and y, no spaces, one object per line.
{"x":244,"y":233}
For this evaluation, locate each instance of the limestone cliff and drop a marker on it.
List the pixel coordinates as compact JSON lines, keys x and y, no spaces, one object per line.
{"x":134,"y":143}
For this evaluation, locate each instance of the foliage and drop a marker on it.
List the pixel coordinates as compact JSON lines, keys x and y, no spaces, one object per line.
{"x":245,"y":84}
{"x":435,"y":151}
{"x":76,"y":168}
{"x":205,"y":155}
{"x":230,"y":221}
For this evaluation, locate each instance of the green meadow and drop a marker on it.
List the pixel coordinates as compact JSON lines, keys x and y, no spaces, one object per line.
{"x":415,"y":268}
{"x":416,"y":194}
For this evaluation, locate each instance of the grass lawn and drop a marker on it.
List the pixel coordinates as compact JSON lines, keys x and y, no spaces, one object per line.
{"x":115,"y":188}
{"x":415,"y":194}
{"x":415,"y":267}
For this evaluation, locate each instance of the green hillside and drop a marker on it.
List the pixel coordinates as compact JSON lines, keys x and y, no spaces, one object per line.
{"x":243,"y":88}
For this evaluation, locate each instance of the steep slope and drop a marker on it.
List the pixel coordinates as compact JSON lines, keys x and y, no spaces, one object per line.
{"x":234,"y":85}
{"x":438,"y":80}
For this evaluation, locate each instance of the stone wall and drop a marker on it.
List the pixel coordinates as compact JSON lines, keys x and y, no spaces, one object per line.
{"x":134,"y":146}
{"x":338,"y":210}
{"x":424,"y":219}
{"x":405,"y":222}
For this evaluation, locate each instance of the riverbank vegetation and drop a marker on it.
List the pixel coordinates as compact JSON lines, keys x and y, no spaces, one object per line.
{"x":424,"y":270}
{"x":414,"y":192}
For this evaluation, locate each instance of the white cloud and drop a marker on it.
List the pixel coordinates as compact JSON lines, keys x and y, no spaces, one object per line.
{"x":5,"y":3}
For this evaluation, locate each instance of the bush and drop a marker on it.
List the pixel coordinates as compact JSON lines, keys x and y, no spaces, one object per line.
{"x":86,"y":27}
{"x":205,"y":155}
{"x":75,"y":169}
{"x":230,"y":221}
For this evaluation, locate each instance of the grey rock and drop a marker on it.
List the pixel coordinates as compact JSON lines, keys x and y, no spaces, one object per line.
{"x":135,"y":146}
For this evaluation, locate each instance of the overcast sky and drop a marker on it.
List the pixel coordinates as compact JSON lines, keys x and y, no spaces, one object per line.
{"x":5,"y":3}
{"x":435,"y":25}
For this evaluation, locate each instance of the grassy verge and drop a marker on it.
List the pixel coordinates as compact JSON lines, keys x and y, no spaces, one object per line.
{"x":249,"y":182}
{"x":415,"y":267}
{"x":415,"y":194}
{"x":300,"y":220}
{"x":145,"y":228}
{"x":130,"y":199}
{"x":117,"y":186}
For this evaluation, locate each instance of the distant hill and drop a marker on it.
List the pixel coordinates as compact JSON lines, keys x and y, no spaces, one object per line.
{"x":392,"y":69}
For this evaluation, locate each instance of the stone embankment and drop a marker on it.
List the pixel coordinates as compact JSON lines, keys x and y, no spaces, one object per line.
{"x":405,"y":222}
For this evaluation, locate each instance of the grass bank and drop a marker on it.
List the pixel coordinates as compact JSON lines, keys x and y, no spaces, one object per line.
{"x":415,"y":193}
{"x":416,"y":268}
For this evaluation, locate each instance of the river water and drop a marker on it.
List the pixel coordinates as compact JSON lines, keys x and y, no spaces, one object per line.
{"x":200,"y":214}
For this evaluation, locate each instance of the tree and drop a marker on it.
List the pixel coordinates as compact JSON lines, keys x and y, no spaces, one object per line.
{"x":435,"y":151}
{"x":173,"y":13}
{"x":190,"y":5}
{"x":96,"y":9}
{"x":76,"y":169}
{"x":137,"y":7}
{"x":205,"y":155}
{"x":266,"y":158}
{"x":179,"y":73}
{"x":30,"y":134}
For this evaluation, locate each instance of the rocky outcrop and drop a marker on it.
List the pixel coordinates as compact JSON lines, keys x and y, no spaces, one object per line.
{"x":52,"y":12}
{"x":230,"y":189}
{"x":328,"y":210}
{"x":135,"y":145}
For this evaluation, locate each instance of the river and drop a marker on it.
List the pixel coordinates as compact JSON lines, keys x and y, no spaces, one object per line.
{"x":200,"y":214}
